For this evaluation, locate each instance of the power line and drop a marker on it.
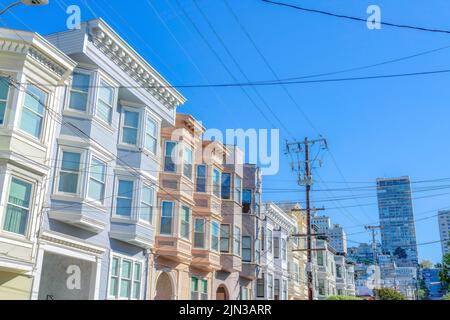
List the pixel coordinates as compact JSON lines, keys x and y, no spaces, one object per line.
{"x":342,"y":16}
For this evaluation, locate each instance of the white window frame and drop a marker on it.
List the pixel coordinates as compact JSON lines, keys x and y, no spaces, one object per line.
{"x":6,"y":101}
{"x":146,"y":134}
{"x":122,"y":126}
{"x":154,"y":198}
{"x":91,"y":158}
{"x":114,"y":99}
{"x":7,"y":186}
{"x":81,"y":172}
{"x":44,"y":116}
{"x":88,"y":93}
{"x":133,"y":199}
{"x":174,"y":159}
{"x":133,"y":261}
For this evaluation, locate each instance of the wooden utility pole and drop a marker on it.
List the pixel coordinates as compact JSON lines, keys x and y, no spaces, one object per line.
{"x":374,"y":229}
{"x":305,"y":179}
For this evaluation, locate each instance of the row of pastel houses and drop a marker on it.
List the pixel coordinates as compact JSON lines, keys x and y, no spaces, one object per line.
{"x":106,"y":192}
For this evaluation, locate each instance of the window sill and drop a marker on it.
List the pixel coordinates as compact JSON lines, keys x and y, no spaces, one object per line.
{"x":77,"y":114}
{"x":129,"y":147}
{"x":14,"y":238}
{"x":105,"y":125}
{"x":30,"y":139}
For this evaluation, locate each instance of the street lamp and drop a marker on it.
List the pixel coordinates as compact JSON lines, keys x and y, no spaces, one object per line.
{"x":27,"y":2}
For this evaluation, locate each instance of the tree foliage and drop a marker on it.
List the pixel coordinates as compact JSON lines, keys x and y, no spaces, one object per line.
{"x":343,"y":298}
{"x":444,"y":272}
{"x":426,"y":264}
{"x":388,"y":294}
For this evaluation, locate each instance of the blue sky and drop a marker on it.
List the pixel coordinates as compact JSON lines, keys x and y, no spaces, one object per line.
{"x":375,"y":128}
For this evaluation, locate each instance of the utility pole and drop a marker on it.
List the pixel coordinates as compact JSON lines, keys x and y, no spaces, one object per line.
{"x":373,"y":230}
{"x":304,"y":169}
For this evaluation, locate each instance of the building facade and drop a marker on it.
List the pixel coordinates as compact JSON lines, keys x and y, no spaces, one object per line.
{"x":338,"y":238}
{"x":444,"y":230}
{"x":32,"y":77}
{"x":324,"y":269}
{"x":97,"y":234}
{"x":278,"y":226}
{"x":398,"y":233}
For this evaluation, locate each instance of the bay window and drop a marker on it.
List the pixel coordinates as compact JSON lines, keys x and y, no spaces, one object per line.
{"x":105,"y":102}
{"x":215,"y":236}
{"x":151,"y":135}
{"x":4,"y":91}
{"x":33,"y":111}
{"x":201,"y":178}
{"x":260,"y":287}
{"x":166,"y":217}
{"x":97,"y":180}
{"x":147,"y":203}
{"x":124,"y":197}
{"x":270,"y":286}
{"x":283,"y":249}
{"x":226,"y":185}
{"x":199,"y":233}
{"x":130,"y":127}
{"x":237,"y":189}
{"x":185,"y":222}
{"x":187,"y":163}
{"x":79,"y":92}
{"x":169,"y":156}
{"x":269,"y":241}
{"x":276,"y":247}
{"x":225,"y":238}
{"x":237,"y":241}
{"x":69,"y":174}
{"x":125,"y":279}
{"x":18,"y":207}
{"x":246,"y":200}
{"x":216,"y":182}
{"x":246,"y":249}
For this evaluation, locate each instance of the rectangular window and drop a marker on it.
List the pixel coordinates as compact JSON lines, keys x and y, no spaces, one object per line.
{"x":169,"y":156}
{"x":124,"y":198}
{"x":321,"y":287}
{"x":246,"y":200}
{"x":226,"y":185}
{"x":125,"y":279}
{"x":270,"y":287}
{"x":284,"y":282}
{"x":237,"y":241}
{"x":257,"y":251}
{"x":338,"y":271}
{"x":199,"y":233}
{"x":277,"y":289}
{"x":4,"y":91}
{"x":70,"y":172}
{"x":187,"y":163}
{"x":147,"y":203}
{"x":166,"y":217}
{"x":260,"y":287}
{"x":246,"y":249}
{"x":283,"y":249}
{"x":214,"y":236}
{"x":204,"y":290}
{"x":130,"y":127}
{"x":225,"y":238}
{"x":97,"y":180}
{"x":276,"y":247}
{"x":105,"y":102}
{"x":18,"y":207}
{"x":33,"y":111}
{"x":269,"y":241}
{"x":296,"y":273}
{"x":79,"y":92}
{"x":320,"y":258}
{"x":237,"y":189}
{"x":199,"y":289}
{"x":201,"y":178}
{"x":194,"y":289}
{"x":185,"y":222}
{"x":216,"y":182}
{"x":151,"y":135}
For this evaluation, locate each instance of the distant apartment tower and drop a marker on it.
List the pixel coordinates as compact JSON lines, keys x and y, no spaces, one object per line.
{"x":444,"y":230}
{"x":398,"y":233}
{"x":338,"y":238}
{"x":322,"y":223}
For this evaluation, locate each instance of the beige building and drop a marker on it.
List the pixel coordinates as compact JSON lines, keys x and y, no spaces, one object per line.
{"x":298,"y":285}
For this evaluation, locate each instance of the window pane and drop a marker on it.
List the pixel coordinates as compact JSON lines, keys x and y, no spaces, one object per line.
{"x":169,"y":158}
{"x":216,"y":183}
{"x":226,"y":184}
{"x":115,"y":267}
{"x":166,"y":218}
{"x":68,"y":177}
{"x":98,"y":170}
{"x":237,"y":189}
{"x":124,"y":198}
{"x":215,"y":236}
{"x":201,"y":178}
{"x":106,"y":93}
{"x":125,"y":189}
{"x":129,"y":136}
{"x":78,"y":101}
{"x":33,"y":111}
{"x":4,"y":89}
{"x":96,"y":190}
{"x":137,"y":272}
{"x":187,"y":167}
{"x":35,"y":99}
{"x":31,"y":123}
{"x":125,"y":288}
{"x":225,"y":238}
{"x":199,"y":233}
{"x":71,"y":161}
{"x":237,"y":241}
{"x":2,"y":112}
{"x":131,"y":119}
{"x":104,"y":111}
{"x":146,"y":210}
{"x":114,"y":286}
{"x":96,"y":182}
{"x":185,"y":218}
{"x":17,"y":211}
{"x":81,"y":82}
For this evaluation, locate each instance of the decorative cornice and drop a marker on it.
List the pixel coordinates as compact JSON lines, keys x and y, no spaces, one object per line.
{"x":30,"y":50}
{"x":277,"y":215}
{"x":75,"y":244}
{"x":137,"y":68}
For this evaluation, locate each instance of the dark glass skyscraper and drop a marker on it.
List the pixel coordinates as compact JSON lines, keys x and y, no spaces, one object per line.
{"x":398,"y":233}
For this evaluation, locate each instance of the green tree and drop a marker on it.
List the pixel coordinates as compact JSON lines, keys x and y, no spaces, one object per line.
{"x":446,"y":297}
{"x":444,"y":272}
{"x":343,"y":298}
{"x":388,"y":294}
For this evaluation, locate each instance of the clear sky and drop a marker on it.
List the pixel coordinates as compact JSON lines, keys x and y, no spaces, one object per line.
{"x":375,"y":128}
